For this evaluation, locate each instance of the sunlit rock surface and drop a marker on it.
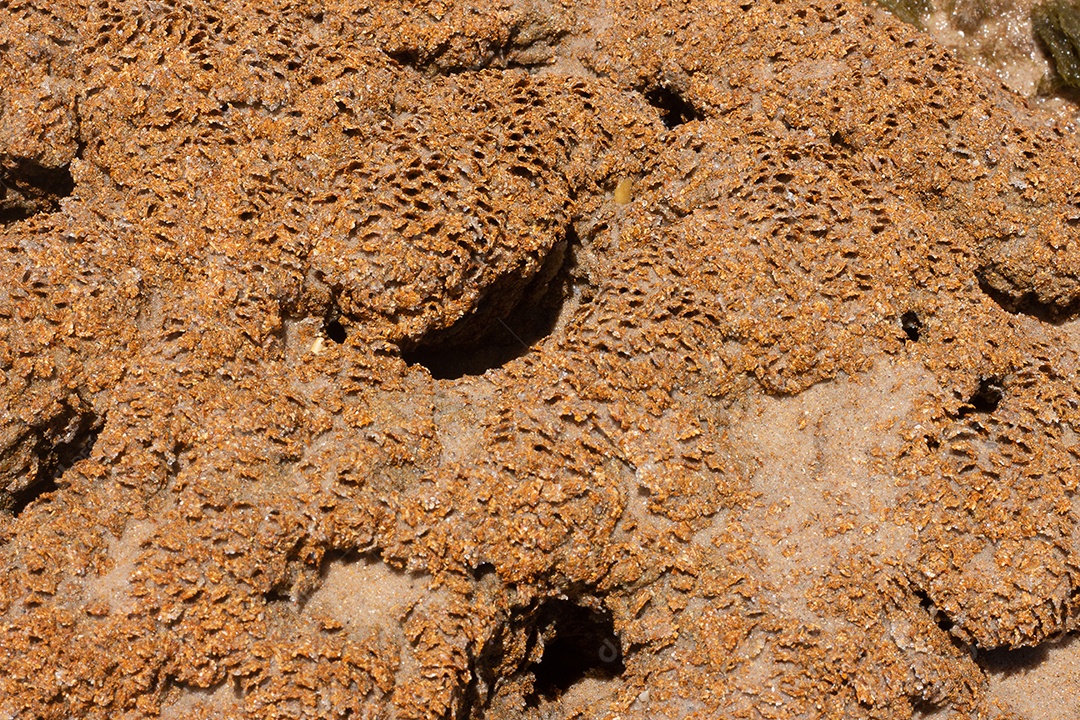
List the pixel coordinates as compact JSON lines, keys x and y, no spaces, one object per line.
{"x":529,"y":360}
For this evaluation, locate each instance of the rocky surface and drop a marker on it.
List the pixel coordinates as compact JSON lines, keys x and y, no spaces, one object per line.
{"x":527,"y":359}
{"x":998,"y":35}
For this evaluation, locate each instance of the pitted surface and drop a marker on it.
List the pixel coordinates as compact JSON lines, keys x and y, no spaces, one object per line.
{"x":526,"y":360}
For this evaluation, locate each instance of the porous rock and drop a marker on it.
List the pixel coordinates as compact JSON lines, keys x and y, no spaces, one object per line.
{"x":335,"y":381}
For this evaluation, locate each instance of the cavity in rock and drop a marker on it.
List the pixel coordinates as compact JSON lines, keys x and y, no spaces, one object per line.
{"x":674,"y":109}
{"x":986,"y":397}
{"x":495,"y":341}
{"x":27,"y":188}
{"x":911,"y":325}
{"x":76,"y":444}
{"x":579,"y":643}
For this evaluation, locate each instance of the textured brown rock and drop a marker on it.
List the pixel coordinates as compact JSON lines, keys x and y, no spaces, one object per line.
{"x":527,"y":360}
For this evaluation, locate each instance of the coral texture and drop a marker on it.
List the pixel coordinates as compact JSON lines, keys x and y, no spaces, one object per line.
{"x":526,"y":359}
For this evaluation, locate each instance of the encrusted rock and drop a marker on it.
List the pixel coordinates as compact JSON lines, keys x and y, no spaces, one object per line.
{"x":527,"y":360}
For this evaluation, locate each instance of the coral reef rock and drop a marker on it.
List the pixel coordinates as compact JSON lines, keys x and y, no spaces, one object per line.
{"x":528,"y":359}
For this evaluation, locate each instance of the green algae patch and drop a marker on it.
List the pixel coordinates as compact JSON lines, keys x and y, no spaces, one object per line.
{"x":1058,"y":26}
{"x":910,"y":11}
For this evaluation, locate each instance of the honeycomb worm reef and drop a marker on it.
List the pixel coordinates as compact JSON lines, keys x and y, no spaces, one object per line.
{"x":528,"y":359}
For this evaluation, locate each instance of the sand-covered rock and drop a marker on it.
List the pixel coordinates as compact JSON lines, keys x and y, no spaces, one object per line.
{"x":528,"y":359}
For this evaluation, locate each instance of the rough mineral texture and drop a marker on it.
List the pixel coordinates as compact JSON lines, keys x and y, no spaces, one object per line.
{"x":527,"y":359}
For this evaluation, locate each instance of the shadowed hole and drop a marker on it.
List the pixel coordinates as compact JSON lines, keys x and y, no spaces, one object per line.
{"x":923,"y":709}
{"x":840,"y":140}
{"x":28,"y":188}
{"x":487,"y":339}
{"x":985,"y":399}
{"x":674,"y":109}
{"x":483,"y":570}
{"x":1029,"y":304}
{"x":578,"y":643}
{"x":1010,"y":661}
{"x":553,"y":646}
{"x":73,"y":440}
{"x":335,"y":331}
{"x":941,"y":619}
{"x":332,"y":327}
{"x":912,"y":325}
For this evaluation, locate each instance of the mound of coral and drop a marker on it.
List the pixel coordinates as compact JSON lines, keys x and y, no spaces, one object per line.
{"x":526,"y":359}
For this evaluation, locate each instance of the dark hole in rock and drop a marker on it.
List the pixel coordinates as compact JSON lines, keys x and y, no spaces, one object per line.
{"x":28,"y":188}
{"x":840,"y":140}
{"x":277,"y":594}
{"x":79,"y":433}
{"x":1028,"y":304}
{"x":491,"y":341}
{"x":332,"y":327}
{"x":674,"y":109}
{"x":483,"y":570}
{"x":578,"y":643}
{"x":985,"y":398}
{"x":335,"y":331}
{"x":942,"y":620}
{"x":911,"y":325}
{"x":923,"y":708}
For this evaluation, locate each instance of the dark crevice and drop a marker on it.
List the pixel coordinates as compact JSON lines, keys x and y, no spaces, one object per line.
{"x":931,"y":706}
{"x":840,"y":139}
{"x":912,"y":325}
{"x":955,"y":636}
{"x":1029,"y":304}
{"x":487,"y":339}
{"x":985,"y":399}
{"x":485,"y":668}
{"x":674,"y":108}
{"x":555,"y":644}
{"x":277,"y":594}
{"x":70,"y":439}
{"x":332,"y":327}
{"x":921,"y":707}
{"x":578,"y":643}
{"x":482,"y":571}
{"x":942,"y":620}
{"x":28,"y":188}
